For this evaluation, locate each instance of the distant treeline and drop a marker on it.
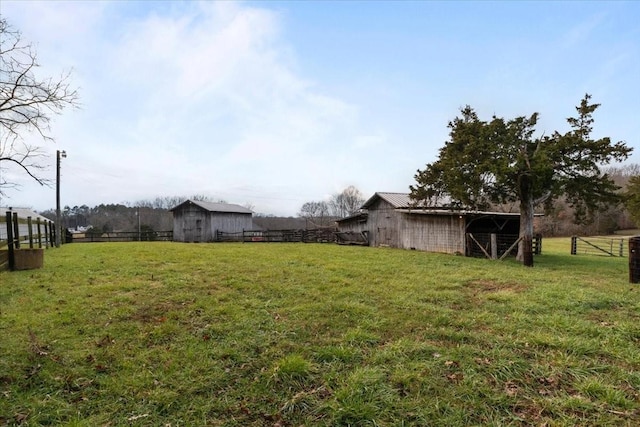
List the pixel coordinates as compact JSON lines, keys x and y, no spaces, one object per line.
{"x":154,"y":215}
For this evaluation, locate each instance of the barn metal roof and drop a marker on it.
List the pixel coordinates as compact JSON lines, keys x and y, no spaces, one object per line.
{"x":398,"y":200}
{"x":216,"y":207}
{"x":403,"y":203}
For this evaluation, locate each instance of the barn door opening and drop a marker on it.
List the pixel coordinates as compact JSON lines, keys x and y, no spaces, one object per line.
{"x":193,"y":229}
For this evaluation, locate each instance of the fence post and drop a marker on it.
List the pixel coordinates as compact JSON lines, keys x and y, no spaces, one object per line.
{"x":10,"y":243}
{"x":39,"y":232}
{"x":634,"y":259}
{"x":538,"y":244}
{"x":621,"y":247}
{"x":574,"y":245}
{"x":46,"y":234}
{"x":52,"y":231}
{"x":494,"y":246}
{"x":16,"y":230}
{"x":30,"y":227}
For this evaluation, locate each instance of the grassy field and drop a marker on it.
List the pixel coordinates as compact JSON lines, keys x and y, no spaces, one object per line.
{"x":169,"y":334}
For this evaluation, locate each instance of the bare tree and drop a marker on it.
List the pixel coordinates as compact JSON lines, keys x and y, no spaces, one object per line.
{"x":27,"y":103}
{"x":346,"y":203}
{"x":316,"y":213}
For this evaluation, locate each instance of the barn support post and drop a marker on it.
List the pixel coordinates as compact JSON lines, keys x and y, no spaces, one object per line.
{"x":574,"y":245}
{"x":494,"y":246}
{"x":10,"y":242}
{"x":30,"y":228}
{"x":16,"y":230}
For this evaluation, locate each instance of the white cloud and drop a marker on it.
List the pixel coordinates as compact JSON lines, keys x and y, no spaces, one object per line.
{"x":201,"y":98}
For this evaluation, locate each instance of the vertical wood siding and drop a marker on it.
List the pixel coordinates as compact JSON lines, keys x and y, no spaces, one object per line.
{"x":229,"y":222}
{"x":432,"y":233}
{"x":384,"y":223}
{"x":194,"y":224}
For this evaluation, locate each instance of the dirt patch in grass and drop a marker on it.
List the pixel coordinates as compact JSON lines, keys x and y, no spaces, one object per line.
{"x":156,"y":313}
{"x":478,"y":286}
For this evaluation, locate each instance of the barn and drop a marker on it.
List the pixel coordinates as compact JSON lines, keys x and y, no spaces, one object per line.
{"x":23,"y":214}
{"x":391,"y":220}
{"x":197,"y":221}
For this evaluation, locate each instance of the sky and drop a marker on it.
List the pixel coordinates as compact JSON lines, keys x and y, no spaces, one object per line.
{"x":272,"y":104}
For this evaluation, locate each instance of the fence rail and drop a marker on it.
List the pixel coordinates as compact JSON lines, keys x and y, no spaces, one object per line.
{"x":16,"y":232}
{"x":121,"y":236}
{"x":604,"y":246}
{"x":316,"y":235}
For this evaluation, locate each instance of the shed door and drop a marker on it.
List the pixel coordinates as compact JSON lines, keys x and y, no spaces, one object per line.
{"x":192,"y":228}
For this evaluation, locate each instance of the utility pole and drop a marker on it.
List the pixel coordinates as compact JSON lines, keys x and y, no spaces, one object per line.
{"x":59,"y":154}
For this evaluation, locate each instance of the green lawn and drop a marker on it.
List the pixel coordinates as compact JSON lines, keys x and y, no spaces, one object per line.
{"x":170,"y":334}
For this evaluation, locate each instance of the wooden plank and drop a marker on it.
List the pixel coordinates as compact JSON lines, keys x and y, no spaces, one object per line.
{"x":504,"y":255}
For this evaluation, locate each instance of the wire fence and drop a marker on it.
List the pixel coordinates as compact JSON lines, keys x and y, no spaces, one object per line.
{"x":497,"y":246}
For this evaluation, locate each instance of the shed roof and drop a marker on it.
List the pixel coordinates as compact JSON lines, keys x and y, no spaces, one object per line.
{"x":215,"y":207}
{"x":403,"y":203}
{"x":23,"y":213}
{"x":402,"y":200}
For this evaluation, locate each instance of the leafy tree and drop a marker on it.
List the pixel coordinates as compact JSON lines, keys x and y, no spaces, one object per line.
{"x":501,"y":161}
{"x":26,"y":105}
{"x":632,"y":198}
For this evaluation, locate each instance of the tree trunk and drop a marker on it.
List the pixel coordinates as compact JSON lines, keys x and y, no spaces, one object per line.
{"x":525,"y":247}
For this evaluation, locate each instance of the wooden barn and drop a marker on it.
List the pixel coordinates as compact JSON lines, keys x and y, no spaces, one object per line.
{"x":23,"y":214}
{"x":196,"y":221}
{"x":388,"y":219}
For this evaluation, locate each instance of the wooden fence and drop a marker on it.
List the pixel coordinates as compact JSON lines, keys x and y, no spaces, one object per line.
{"x":615,"y":247}
{"x":497,"y":246}
{"x":121,"y":236}
{"x":16,"y":233}
{"x":316,"y":235}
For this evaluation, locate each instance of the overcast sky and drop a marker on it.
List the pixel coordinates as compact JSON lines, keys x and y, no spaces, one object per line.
{"x":278,"y":103}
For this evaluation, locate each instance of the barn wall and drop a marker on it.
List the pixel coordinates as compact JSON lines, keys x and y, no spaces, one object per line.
{"x":189,"y":224}
{"x":432,"y":233}
{"x":383,"y":225}
{"x":444,"y":233}
{"x":358,"y":225}
{"x":229,"y":223}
